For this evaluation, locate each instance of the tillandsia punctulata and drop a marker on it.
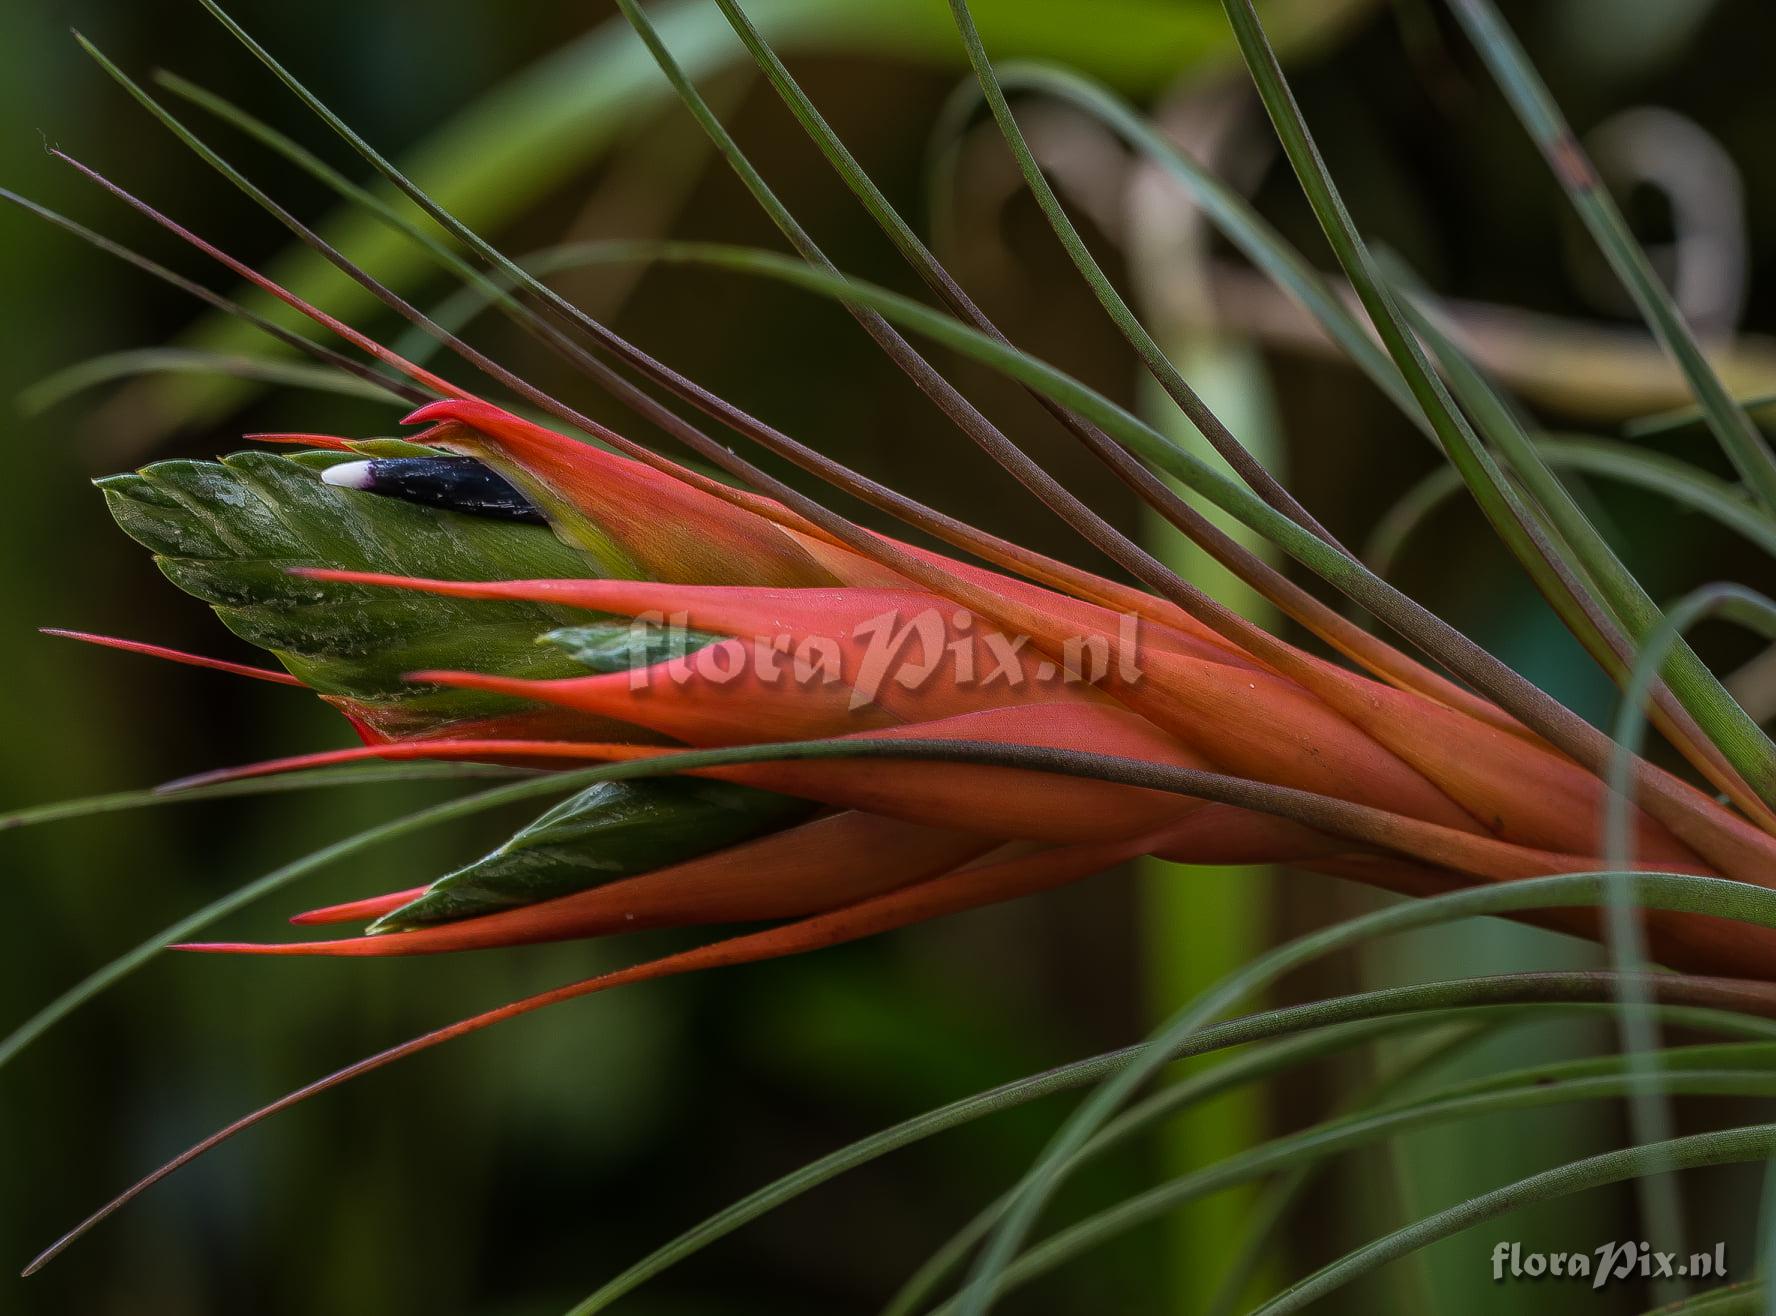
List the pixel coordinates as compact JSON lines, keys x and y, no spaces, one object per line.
{"x":494,"y":590}
{"x":824,"y":732}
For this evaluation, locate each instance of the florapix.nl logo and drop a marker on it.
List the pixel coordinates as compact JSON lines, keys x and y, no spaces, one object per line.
{"x":1607,"y":1263}
{"x":910,"y":651}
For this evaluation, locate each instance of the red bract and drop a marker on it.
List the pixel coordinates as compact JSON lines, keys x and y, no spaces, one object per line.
{"x":1411,"y":785}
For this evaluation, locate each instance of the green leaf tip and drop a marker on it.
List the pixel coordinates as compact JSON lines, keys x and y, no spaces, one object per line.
{"x":611,"y":830}
{"x":228,"y":531}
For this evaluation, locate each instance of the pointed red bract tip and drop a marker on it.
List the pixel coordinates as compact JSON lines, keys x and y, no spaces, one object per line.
{"x":446,"y":410}
{"x":339,"y":576}
{"x":365,"y":732}
{"x":173,"y":655}
{"x":344,"y":947}
{"x":331,"y":441}
{"x":564,"y":590}
{"x":355,"y":911}
{"x":219,"y":947}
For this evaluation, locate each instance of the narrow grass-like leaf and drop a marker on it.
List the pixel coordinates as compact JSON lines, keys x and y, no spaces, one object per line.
{"x":1628,"y":603}
{"x":1663,"y":422}
{"x":1339,"y":1136}
{"x":927,"y":378}
{"x":311,"y":164}
{"x":1158,"y":364}
{"x":1282,"y":1194}
{"x":1731,"y":1069}
{"x":316,"y":778}
{"x":1425,"y":1005}
{"x":120,"y":968}
{"x":1536,"y":109}
{"x":1235,"y":217}
{"x":1192,"y":1089}
{"x":1653,"y":472}
{"x":1744,"y":745}
{"x":1725,"y":899}
{"x":1626,"y":937}
{"x":1727,"y":1147}
{"x":1749,"y":751}
{"x":1742,"y":1299}
{"x":502,"y":152}
{"x":1516,"y":523}
{"x":231,"y":309}
{"x":1678,"y":893}
{"x":1369,"y":825}
{"x":91,"y":373}
{"x":1507,"y":687}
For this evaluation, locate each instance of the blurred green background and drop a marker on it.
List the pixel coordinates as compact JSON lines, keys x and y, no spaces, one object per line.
{"x":514,"y":1172}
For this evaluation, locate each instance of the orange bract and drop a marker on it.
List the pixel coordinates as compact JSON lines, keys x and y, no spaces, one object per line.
{"x":1410,"y":788}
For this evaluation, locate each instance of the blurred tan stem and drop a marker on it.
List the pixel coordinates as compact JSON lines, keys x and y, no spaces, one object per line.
{"x":1582,"y":368}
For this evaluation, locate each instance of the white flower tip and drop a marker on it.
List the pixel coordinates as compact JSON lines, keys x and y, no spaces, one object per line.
{"x":348,"y":475}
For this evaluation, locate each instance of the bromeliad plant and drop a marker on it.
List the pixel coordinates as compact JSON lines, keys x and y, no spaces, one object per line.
{"x":763,"y":629}
{"x":758,"y":712}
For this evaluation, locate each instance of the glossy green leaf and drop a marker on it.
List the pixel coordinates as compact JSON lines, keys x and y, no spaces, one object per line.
{"x":228,"y":531}
{"x":622,"y":646}
{"x":610,"y":830}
